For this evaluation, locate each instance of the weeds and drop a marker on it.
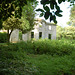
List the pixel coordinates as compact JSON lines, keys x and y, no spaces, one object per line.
{"x":41,"y":57}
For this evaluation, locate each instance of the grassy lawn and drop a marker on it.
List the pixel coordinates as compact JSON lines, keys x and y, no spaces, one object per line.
{"x":26,"y":58}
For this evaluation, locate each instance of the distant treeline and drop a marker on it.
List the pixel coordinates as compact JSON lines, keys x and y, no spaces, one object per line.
{"x":66,"y":32}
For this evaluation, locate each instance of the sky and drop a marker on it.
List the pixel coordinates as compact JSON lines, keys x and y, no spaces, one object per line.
{"x":62,"y":21}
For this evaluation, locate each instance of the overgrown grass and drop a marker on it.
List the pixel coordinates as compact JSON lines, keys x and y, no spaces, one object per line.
{"x":41,"y":57}
{"x":51,"y":47}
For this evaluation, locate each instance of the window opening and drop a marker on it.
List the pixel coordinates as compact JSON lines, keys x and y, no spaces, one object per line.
{"x":40,"y":34}
{"x":49,"y":36}
{"x":49,"y":27}
{"x":32,"y":34}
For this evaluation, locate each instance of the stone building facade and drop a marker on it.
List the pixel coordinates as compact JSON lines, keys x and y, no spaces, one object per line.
{"x":14,"y":37}
{"x":42,"y":29}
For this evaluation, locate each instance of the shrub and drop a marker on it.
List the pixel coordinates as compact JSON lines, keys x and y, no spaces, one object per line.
{"x":49,"y":57}
{"x":3,"y":37}
{"x":52,"y":47}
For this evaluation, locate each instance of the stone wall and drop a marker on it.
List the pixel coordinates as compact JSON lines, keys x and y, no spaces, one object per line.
{"x":14,"y":36}
{"x":43,"y":27}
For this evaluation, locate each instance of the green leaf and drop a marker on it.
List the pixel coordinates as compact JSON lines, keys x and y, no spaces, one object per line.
{"x":46,"y":16}
{"x":68,"y":0}
{"x":52,"y":6}
{"x":61,"y":11}
{"x":59,"y":1}
{"x":63,"y":0}
{"x":58,"y":13}
{"x":40,"y":10}
{"x":57,"y":7}
{"x":41,"y":14}
{"x":51,"y":18}
{"x":46,"y":8}
{"x":50,"y":14}
{"x":44,"y":2}
{"x":54,"y":19}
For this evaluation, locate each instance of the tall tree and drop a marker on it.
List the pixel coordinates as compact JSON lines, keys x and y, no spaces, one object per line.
{"x":69,"y":32}
{"x":24,"y":24}
{"x":10,"y":24}
{"x":8,"y":6}
{"x":72,"y":17}
{"x":28,"y":13}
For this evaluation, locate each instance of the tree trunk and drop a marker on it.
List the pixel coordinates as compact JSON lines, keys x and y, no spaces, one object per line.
{"x":8,"y":35}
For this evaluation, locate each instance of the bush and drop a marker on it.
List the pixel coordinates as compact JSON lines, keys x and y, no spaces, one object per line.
{"x":52,"y":47}
{"x":3,"y":37}
{"x":49,"y":57}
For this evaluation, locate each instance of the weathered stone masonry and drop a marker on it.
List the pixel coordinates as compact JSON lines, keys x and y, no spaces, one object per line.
{"x":41,"y":30}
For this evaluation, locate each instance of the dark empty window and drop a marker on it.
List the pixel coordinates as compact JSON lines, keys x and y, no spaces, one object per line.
{"x":32,"y":34}
{"x":49,"y":36}
{"x":40,"y":34}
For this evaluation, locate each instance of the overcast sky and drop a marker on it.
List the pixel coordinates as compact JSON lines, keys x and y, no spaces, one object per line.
{"x":66,"y":12}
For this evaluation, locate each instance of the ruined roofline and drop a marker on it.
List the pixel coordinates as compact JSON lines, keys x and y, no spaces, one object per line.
{"x":42,"y":20}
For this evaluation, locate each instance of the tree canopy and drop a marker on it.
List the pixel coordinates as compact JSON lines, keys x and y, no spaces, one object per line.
{"x":66,"y":32}
{"x":8,"y":6}
{"x":51,"y":9}
{"x":25,"y":23}
{"x":72,"y":16}
{"x":28,"y":14}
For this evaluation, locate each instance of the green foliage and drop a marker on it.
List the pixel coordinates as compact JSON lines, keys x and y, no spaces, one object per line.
{"x":14,"y":63}
{"x":20,"y":35}
{"x":8,"y":7}
{"x":12,"y":23}
{"x":51,"y":47}
{"x":54,"y":6}
{"x":28,"y":15}
{"x":66,"y":32}
{"x":24,"y":24}
{"x":55,"y":65}
{"x":16,"y":60}
{"x":70,"y":32}
{"x":59,"y":31}
{"x":3,"y":37}
{"x":72,"y":17}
